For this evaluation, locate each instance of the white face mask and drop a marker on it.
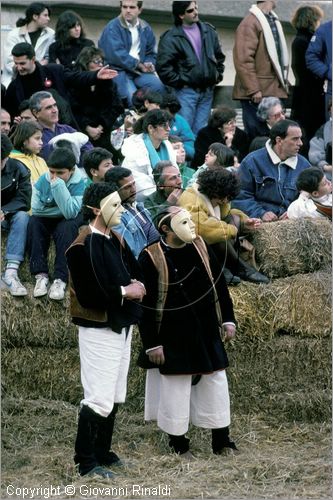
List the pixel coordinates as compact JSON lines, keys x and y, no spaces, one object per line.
{"x":111,"y":209}
{"x":183,"y":226}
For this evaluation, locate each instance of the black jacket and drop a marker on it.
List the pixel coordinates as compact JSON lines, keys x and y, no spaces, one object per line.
{"x":68,"y":55}
{"x":177,"y":64}
{"x":189,"y":329}
{"x":98,"y":106}
{"x":15,"y":187}
{"x":98,"y":267}
{"x":308,"y":100}
{"x":50,"y":77}
{"x":207,"y":135}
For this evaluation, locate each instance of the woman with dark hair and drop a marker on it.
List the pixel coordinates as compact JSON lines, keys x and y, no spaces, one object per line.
{"x":221,"y":128}
{"x":96,"y":107}
{"x":27,"y":142}
{"x":144,"y":149}
{"x":218,"y":224}
{"x":32,"y":29}
{"x":308,"y":101}
{"x":70,"y":39}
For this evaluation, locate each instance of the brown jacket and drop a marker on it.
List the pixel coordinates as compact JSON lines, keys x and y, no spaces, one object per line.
{"x":255,"y":70}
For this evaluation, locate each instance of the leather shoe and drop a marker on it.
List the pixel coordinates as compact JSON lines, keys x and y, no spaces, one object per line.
{"x":230,"y":278}
{"x":253,"y":276}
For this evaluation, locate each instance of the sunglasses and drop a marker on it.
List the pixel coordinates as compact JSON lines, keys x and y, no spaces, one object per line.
{"x":189,"y":11}
{"x":97,"y":61}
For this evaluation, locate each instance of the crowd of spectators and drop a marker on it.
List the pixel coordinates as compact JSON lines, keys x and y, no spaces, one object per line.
{"x":138,"y":115}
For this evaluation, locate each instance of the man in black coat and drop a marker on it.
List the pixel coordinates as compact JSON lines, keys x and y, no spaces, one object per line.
{"x":33,"y":77}
{"x":190,"y":60}
{"x":105,"y":291}
{"x":185,"y":312}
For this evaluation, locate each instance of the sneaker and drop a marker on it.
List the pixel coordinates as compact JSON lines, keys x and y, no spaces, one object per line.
{"x":57,"y":290}
{"x":15,"y":286}
{"x":41,"y":285}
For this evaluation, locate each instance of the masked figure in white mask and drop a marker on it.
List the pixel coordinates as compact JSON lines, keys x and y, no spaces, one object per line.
{"x":187,"y":311}
{"x":106,"y":291}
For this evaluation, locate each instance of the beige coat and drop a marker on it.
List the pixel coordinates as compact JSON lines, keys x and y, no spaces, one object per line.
{"x":211,"y":228}
{"x":256,"y":62}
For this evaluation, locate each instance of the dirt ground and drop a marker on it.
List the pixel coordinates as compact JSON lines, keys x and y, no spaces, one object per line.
{"x":275,"y":460}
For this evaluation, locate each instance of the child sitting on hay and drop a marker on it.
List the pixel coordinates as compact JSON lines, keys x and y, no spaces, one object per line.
{"x":315,"y":198}
{"x":56,"y":204}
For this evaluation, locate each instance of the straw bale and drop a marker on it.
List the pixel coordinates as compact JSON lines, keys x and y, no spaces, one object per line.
{"x":299,"y":304}
{"x":297,"y":371}
{"x":42,"y":322}
{"x":262,"y":373}
{"x":24,"y":271}
{"x":42,"y":373}
{"x":291,"y":247}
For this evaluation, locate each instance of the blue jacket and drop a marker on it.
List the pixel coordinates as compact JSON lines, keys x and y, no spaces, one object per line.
{"x":265,"y":186}
{"x":59,"y":199}
{"x":319,"y":54}
{"x":179,"y":126}
{"x":116,"y":42}
{"x":132,"y":231}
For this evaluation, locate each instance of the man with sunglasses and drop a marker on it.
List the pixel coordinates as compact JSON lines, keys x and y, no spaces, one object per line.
{"x":129,"y":47}
{"x":190,"y":60}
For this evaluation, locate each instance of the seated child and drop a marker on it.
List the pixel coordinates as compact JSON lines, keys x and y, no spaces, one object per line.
{"x":315,"y":198}
{"x":96,"y":163}
{"x":15,"y":203}
{"x":218,"y":156}
{"x":186,"y":171}
{"x":56,"y":204}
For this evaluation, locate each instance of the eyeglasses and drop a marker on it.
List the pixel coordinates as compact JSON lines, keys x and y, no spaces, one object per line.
{"x":189,"y":11}
{"x":97,"y":61}
{"x":278,"y":114}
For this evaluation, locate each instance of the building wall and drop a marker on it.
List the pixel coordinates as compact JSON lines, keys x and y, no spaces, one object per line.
{"x":224,"y":15}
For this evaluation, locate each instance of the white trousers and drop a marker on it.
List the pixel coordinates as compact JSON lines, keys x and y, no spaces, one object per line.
{"x":105,"y":358}
{"x":174,"y":402}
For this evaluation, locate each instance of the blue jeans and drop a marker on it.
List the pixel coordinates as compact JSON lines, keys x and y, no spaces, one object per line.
{"x":128,"y":83}
{"x":63,"y":232}
{"x":16,"y":226}
{"x":195,"y":107}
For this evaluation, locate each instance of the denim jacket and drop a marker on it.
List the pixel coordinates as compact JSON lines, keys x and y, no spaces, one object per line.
{"x":267,"y":186}
{"x":132,"y":231}
{"x":116,"y":42}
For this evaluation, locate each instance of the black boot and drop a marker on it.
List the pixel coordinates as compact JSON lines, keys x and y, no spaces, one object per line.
{"x":249,"y":273}
{"x":179,"y":444}
{"x":85,"y":455}
{"x":104,"y":440}
{"x":221,"y":440}
{"x":230,"y":278}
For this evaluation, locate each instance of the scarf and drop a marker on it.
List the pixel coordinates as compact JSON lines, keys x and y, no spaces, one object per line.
{"x":155,"y":156}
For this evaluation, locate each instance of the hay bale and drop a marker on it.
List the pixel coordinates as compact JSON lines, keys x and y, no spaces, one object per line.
{"x":263,"y":373}
{"x":284,"y":374}
{"x":291,"y":247}
{"x":38,"y":372}
{"x":298,"y":305}
{"x":24,"y":271}
{"x":41,"y":322}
